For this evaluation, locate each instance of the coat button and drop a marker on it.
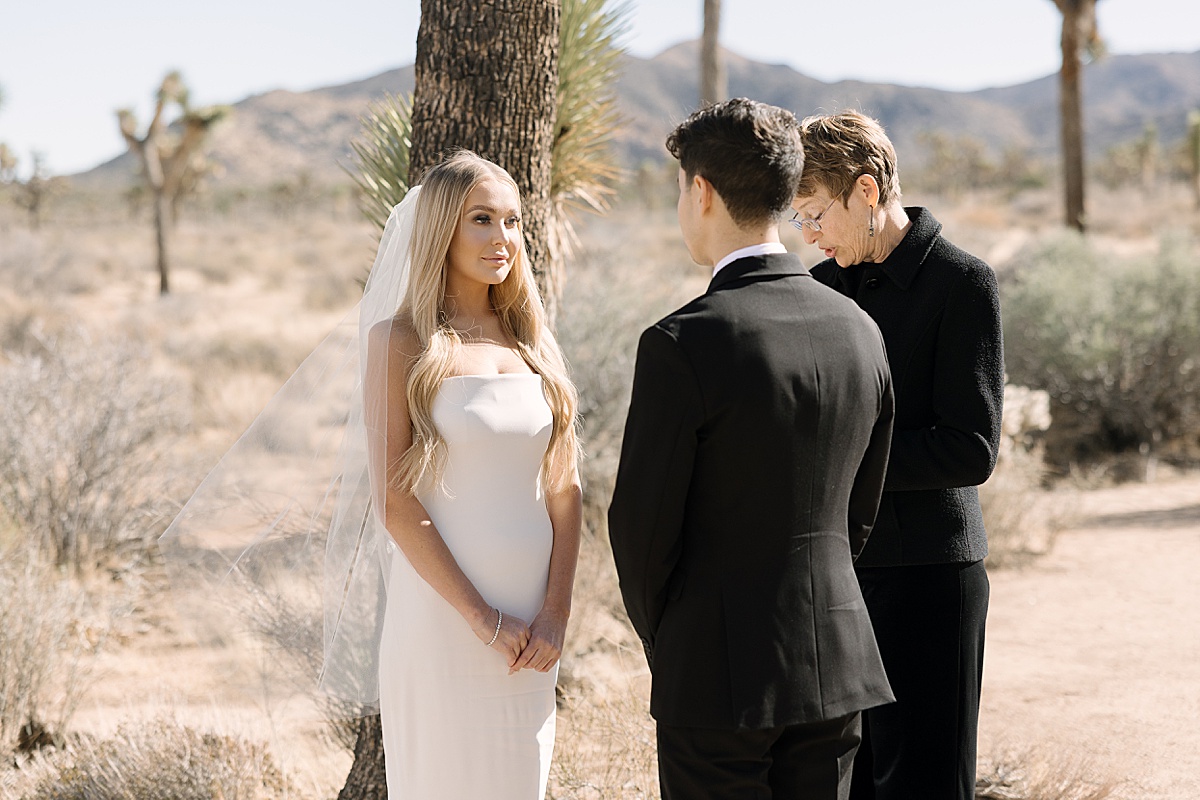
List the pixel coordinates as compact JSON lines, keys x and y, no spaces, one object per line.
{"x":872,"y":283}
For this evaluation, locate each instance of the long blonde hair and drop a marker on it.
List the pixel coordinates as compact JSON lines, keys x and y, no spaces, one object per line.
{"x":522,"y":317}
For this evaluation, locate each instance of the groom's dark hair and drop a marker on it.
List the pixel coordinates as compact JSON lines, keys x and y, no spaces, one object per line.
{"x":749,"y":151}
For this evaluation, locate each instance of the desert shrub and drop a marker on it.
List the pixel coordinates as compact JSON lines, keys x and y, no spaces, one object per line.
{"x":1020,"y":520}
{"x":1029,"y":776}
{"x":1116,"y":344}
{"x":246,"y":353}
{"x":44,"y":645}
{"x":164,"y":760}
{"x":607,"y":303}
{"x":79,"y":425}
{"x":605,"y":748}
{"x":33,"y":264}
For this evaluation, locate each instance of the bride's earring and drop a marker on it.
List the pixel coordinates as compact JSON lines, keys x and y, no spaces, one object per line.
{"x":871,"y":227}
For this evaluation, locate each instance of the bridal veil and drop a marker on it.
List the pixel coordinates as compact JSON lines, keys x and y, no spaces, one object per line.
{"x":283,"y":533}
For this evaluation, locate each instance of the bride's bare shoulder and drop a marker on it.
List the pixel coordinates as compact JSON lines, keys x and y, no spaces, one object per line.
{"x":396,"y":336}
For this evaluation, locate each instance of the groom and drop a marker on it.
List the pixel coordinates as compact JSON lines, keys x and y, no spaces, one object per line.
{"x":751,"y":470}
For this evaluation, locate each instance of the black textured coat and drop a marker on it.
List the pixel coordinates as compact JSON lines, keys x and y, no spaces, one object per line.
{"x":753,"y":460}
{"x":939,"y":311}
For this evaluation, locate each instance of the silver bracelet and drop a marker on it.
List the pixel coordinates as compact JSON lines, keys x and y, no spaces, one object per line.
{"x":499,"y":622}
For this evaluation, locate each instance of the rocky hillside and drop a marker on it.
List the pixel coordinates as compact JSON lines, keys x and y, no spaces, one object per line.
{"x":279,"y":135}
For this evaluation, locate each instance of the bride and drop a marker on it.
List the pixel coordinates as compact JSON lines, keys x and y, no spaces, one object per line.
{"x":471,"y":445}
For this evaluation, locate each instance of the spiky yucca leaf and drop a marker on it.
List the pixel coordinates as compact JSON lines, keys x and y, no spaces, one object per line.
{"x":582,"y":170}
{"x":589,"y":59}
{"x":381,"y":157}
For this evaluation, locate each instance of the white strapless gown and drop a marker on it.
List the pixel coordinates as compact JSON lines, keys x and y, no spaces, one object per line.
{"x":456,"y":725}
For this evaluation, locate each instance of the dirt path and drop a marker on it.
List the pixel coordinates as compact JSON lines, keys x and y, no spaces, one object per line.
{"x":1093,"y":652}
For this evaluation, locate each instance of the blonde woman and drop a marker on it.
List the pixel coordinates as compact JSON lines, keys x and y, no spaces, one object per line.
{"x":471,"y":439}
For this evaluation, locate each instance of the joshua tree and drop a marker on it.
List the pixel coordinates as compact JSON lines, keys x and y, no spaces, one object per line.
{"x":486,"y":78}
{"x":1080,"y":37}
{"x":32,"y":193}
{"x":171,"y":160}
{"x":712,"y":66}
{"x":582,"y":169}
{"x":1148,"y":150}
{"x":8,"y":164}
{"x":1193,"y":152}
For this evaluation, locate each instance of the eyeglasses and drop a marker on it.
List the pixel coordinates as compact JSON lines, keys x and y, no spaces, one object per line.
{"x":812,"y":223}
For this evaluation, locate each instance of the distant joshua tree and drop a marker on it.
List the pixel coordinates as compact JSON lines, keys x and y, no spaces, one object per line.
{"x":32,"y":193}
{"x":8,"y":164}
{"x":1193,"y":152}
{"x":1080,"y":37}
{"x":713,"y":86}
{"x":171,"y":161}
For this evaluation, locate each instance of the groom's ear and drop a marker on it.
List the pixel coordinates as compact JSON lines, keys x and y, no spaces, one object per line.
{"x":702,"y":192}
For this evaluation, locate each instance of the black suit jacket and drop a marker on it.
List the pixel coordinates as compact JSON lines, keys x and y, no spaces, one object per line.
{"x":751,"y":469}
{"x":939,"y":311}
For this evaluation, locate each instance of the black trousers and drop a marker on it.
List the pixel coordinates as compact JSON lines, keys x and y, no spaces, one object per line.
{"x":797,"y":762}
{"x":929,"y":622}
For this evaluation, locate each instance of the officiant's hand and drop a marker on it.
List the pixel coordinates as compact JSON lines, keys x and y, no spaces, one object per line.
{"x":546,"y":635}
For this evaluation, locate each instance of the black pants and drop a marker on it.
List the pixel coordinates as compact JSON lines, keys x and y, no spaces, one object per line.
{"x":797,"y":762}
{"x":929,"y":622}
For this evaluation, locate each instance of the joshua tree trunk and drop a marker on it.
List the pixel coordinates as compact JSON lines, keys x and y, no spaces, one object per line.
{"x":1193,"y":146}
{"x":366,"y":780}
{"x":712,"y":67}
{"x":486,"y":80}
{"x":161,"y":240}
{"x":1078,"y":33}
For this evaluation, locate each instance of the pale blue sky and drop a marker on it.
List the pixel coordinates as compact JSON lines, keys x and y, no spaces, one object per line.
{"x":66,"y":65}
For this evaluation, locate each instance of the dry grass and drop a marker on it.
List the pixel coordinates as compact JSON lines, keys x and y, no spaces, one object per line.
{"x":605,"y":747}
{"x":1029,"y":775}
{"x":48,"y":631}
{"x":161,"y":760}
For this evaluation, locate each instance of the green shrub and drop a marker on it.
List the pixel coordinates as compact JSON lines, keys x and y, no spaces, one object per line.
{"x":1116,"y":344}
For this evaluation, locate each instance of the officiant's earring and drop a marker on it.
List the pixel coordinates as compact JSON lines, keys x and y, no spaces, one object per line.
{"x":871,"y":227}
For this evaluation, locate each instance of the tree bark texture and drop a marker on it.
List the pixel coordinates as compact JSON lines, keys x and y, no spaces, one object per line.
{"x":713,"y":85}
{"x":367,"y":779}
{"x":486,"y":80}
{"x":1079,"y":19}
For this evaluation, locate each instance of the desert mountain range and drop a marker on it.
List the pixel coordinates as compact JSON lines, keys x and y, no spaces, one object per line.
{"x":279,"y":135}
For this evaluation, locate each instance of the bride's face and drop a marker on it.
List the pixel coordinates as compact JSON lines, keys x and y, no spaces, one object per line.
{"x":488,"y":237}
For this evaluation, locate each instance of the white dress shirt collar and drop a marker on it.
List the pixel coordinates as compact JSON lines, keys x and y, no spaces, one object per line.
{"x":763,"y":249}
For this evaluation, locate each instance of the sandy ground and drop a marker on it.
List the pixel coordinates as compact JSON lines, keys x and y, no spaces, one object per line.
{"x":1093,"y":657}
{"x":1093,"y":651}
